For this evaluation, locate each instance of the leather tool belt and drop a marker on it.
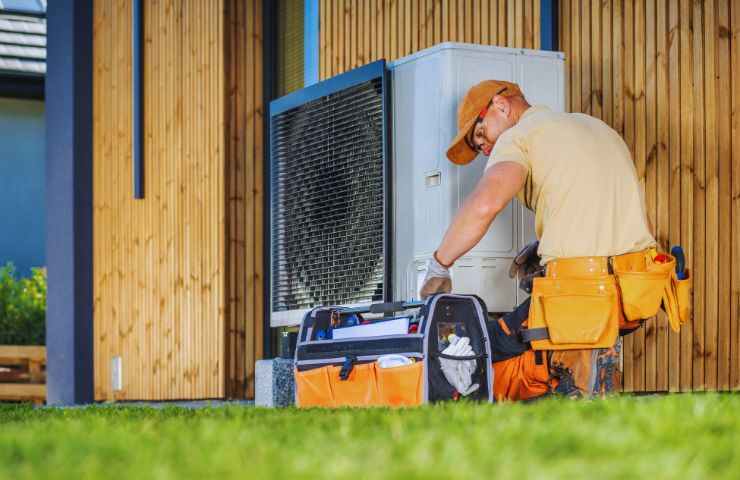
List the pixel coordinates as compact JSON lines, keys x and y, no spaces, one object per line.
{"x":581,"y":302}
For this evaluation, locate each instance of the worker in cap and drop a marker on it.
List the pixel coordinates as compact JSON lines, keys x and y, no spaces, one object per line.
{"x":577,"y":175}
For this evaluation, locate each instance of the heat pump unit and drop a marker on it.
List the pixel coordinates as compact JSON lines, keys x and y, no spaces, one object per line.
{"x":361,"y":190}
{"x":330,"y":195}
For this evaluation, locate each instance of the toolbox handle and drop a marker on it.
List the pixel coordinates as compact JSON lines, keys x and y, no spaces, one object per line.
{"x":387,"y":307}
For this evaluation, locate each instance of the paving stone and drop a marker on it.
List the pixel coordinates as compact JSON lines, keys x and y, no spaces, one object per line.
{"x":274,"y":383}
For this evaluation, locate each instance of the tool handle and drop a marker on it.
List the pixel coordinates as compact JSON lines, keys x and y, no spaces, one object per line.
{"x":677,"y":252}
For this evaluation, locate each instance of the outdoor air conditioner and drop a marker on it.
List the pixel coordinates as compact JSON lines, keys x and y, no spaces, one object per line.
{"x":357,"y":208}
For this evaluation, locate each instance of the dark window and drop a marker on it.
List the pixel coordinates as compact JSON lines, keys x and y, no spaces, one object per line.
{"x":24,"y":5}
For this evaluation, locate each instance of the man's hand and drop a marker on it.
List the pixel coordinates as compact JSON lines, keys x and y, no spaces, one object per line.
{"x":437,"y":279}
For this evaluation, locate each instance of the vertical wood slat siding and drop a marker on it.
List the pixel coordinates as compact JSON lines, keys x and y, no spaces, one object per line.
{"x":178,"y":276}
{"x":724,"y":196}
{"x":244,"y":195}
{"x":711,"y":261}
{"x":159,"y":262}
{"x":699,"y":198}
{"x":735,"y":205}
{"x":638,"y":107}
{"x":673,"y":72}
{"x":662,"y":205}
{"x":402,"y":27}
{"x":687,"y":149}
{"x":674,"y":175}
{"x":650,"y":183}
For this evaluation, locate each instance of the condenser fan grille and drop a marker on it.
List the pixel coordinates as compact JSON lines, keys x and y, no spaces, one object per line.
{"x":328,"y":200}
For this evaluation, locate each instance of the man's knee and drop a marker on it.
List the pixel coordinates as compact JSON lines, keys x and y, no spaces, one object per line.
{"x":504,"y":333}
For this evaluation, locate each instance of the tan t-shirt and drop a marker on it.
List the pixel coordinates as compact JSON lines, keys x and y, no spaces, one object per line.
{"x":581,"y":184}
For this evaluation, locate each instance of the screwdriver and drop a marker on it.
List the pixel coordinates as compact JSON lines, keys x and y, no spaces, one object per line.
{"x":677,"y":252}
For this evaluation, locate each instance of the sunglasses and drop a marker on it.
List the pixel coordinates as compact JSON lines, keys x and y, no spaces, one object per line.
{"x":481,"y":116}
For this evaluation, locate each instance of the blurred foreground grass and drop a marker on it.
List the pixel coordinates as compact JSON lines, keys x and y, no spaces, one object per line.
{"x":675,"y":436}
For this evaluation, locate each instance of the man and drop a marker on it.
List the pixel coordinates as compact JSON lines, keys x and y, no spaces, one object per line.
{"x":577,"y":175}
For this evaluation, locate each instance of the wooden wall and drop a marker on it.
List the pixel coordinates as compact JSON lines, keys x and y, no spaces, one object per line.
{"x":177,"y":275}
{"x":355,"y":32}
{"x":665,"y":74}
{"x":244,"y":172}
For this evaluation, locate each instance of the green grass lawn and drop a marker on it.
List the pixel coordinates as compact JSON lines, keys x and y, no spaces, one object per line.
{"x":679,"y":436}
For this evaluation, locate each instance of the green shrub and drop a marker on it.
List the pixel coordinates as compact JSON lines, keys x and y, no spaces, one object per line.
{"x":22,"y":307}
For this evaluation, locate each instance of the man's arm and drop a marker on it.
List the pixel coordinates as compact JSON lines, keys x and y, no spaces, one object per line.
{"x":494,"y":191}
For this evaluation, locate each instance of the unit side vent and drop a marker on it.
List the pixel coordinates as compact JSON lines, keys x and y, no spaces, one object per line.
{"x":328,"y":204}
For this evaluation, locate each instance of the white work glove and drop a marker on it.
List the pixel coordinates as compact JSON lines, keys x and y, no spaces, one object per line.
{"x":466,"y":368}
{"x":436,"y":280}
{"x":459,"y":372}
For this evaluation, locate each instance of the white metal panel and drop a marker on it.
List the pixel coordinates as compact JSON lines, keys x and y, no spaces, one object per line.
{"x":542,"y":80}
{"x":488,"y":278}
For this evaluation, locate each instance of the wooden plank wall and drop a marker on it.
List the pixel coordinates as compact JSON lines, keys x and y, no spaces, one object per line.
{"x":159,"y":263}
{"x":244,"y":172}
{"x":355,"y":32}
{"x":665,"y":74}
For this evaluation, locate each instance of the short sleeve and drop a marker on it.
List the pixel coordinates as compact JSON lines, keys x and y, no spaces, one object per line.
{"x":509,"y":148}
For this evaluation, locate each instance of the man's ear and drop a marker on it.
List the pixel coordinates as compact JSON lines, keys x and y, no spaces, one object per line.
{"x":501,"y":106}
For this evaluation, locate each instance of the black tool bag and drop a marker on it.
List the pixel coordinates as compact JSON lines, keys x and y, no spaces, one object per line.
{"x":335,"y":373}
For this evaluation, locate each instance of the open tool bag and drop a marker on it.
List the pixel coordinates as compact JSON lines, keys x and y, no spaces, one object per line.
{"x":443,"y":353}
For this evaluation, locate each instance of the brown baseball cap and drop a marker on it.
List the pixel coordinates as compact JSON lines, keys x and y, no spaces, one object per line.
{"x":472,"y":105}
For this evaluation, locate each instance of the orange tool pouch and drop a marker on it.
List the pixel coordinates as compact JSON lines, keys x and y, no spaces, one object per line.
{"x":575,"y":306}
{"x":646,"y":285}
